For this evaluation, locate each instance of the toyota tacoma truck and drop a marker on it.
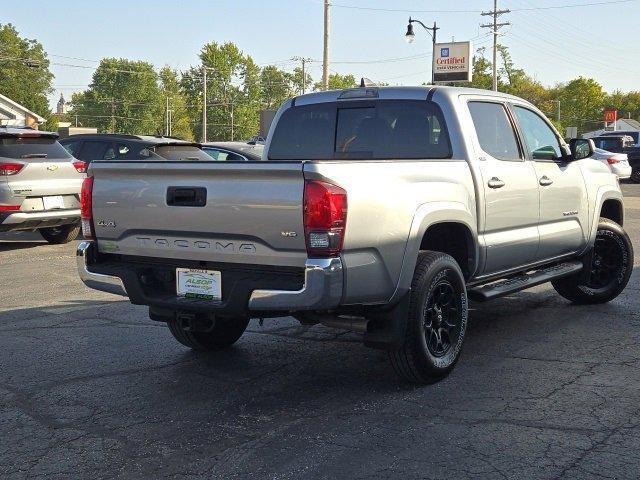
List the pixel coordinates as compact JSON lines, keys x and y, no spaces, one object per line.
{"x":379,"y":210}
{"x":39,"y":185}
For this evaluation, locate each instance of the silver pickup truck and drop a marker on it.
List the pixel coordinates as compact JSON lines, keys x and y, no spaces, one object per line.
{"x":380,"y":210}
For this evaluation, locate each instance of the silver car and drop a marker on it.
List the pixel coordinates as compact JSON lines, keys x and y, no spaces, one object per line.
{"x":39,"y":185}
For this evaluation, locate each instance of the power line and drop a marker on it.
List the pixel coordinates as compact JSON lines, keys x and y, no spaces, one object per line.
{"x":549,"y":7}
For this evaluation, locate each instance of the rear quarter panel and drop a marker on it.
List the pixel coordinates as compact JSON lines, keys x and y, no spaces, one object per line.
{"x":390,"y":205}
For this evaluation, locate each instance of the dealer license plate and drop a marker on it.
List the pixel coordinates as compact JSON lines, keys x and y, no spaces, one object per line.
{"x":51,"y":203}
{"x":193,"y":283}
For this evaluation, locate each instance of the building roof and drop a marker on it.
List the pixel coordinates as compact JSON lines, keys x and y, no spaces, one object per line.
{"x":16,"y":106}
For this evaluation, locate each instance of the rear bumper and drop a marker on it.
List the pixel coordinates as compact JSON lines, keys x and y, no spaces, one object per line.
{"x":32,"y":220}
{"x":85,"y":255}
{"x":321,"y":287}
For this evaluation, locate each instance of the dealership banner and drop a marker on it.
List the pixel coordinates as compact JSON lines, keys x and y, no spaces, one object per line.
{"x":452,"y":62}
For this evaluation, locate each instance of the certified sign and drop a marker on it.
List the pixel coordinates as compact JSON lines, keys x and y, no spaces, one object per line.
{"x":452,"y":62}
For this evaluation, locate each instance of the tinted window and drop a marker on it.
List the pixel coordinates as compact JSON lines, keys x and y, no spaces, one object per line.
{"x":305,"y":133}
{"x":72,"y":147}
{"x":538,"y":135}
{"x":25,"y":148}
{"x":92,"y":150}
{"x":223,"y":156}
{"x":180,"y":152}
{"x":382,"y":130}
{"x":494,"y":130}
{"x":610,"y":144}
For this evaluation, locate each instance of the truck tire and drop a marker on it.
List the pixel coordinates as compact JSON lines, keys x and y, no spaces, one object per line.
{"x":437,"y":320}
{"x":611,"y":268}
{"x":224,"y":333}
{"x":61,"y":234}
{"x":635,"y":174}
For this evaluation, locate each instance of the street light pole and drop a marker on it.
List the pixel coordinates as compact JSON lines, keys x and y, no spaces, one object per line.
{"x":410,"y":37}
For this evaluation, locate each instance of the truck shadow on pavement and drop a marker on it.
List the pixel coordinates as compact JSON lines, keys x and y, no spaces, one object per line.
{"x":97,"y":379}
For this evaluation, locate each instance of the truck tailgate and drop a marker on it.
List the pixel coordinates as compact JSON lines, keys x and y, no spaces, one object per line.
{"x":247,"y":213}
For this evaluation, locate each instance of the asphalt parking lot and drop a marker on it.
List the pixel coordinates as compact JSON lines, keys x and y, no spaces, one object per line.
{"x":91,"y":388}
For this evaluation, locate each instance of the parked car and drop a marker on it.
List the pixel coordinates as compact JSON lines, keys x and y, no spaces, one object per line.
{"x":234,"y":151}
{"x":39,"y":185}
{"x":380,"y":210}
{"x":634,"y":134}
{"x":618,"y":163}
{"x":117,"y":147}
{"x":622,"y":144}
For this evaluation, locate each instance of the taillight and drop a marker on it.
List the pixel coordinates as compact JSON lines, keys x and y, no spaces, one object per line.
{"x":86,"y":208}
{"x":10,"y":168}
{"x":80,"y":166}
{"x":612,"y":161}
{"x":9,"y":208}
{"x":325,"y":218}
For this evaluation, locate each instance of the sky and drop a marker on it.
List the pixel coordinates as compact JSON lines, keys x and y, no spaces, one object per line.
{"x":367,"y":36}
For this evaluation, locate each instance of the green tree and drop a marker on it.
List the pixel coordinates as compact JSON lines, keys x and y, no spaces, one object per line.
{"x":124,"y":96}
{"x":24,"y":73}
{"x":482,"y":73}
{"x":225,"y":68}
{"x":301,"y":84}
{"x":338,"y":82}
{"x":277,"y":85}
{"x":181,"y":123}
{"x":581,"y":103}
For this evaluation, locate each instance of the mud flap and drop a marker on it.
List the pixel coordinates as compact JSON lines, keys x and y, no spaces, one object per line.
{"x":387,"y":329}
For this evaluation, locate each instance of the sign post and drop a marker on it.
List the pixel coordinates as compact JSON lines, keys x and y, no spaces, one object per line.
{"x":610,"y":116}
{"x":452,"y":62}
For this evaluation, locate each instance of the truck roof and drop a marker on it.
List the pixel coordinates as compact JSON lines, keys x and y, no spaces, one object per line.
{"x":395,"y":93}
{"x":25,"y":132}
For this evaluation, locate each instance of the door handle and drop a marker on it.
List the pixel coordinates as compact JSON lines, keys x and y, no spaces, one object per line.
{"x":545,"y":181}
{"x":495,"y":182}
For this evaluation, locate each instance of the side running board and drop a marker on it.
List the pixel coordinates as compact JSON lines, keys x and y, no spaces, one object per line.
{"x":524,"y":281}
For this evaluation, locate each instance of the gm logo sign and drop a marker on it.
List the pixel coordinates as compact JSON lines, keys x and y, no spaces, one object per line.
{"x":444,"y":52}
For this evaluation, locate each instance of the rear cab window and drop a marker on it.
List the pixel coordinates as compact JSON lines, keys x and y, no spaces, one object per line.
{"x":381,"y":130}
{"x":32,"y":147}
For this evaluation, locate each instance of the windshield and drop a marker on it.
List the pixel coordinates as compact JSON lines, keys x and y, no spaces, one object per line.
{"x":26,"y":148}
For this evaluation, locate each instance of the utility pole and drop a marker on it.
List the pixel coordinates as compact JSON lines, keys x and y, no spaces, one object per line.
{"x":494,"y":29}
{"x":304,"y":62}
{"x":558,"y":115}
{"x":113,"y":118}
{"x":204,"y":104}
{"x":166,"y":118}
{"x":325,"y":53}
{"x":232,"y":122}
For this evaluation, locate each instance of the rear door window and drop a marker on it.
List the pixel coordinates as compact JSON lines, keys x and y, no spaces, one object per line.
{"x":495,"y":132}
{"x":386,"y":129}
{"x":24,"y":148}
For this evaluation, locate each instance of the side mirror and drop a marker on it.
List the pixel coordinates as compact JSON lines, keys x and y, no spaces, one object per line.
{"x":581,"y":148}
